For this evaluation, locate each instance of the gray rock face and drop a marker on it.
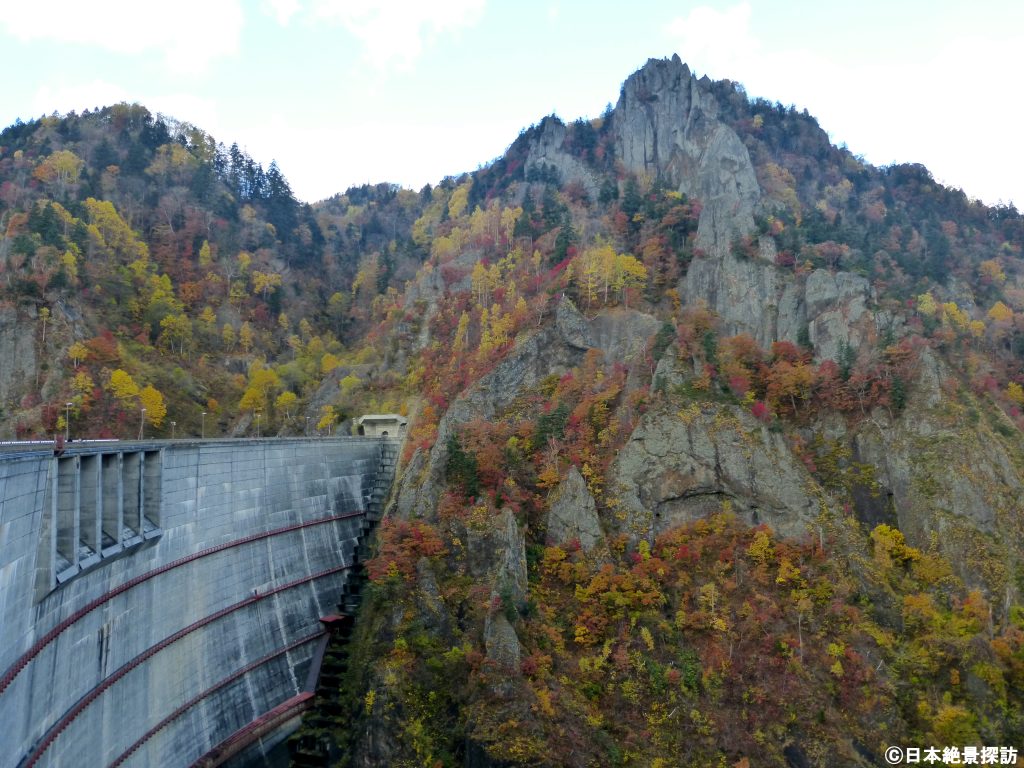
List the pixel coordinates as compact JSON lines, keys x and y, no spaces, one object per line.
{"x":666,"y":125}
{"x":756,"y":297}
{"x":496,"y":553}
{"x":431,"y":603}
{"x":554,"y":349}
{"x":17,"y":352}
{"x":622,"y":333}
{"x":680,"y":467}
{"x":547,"y":150}
{"x":747,"y":295}
{"x":573,"y":514}
{"x":501,"y":642}
{"x":510,"y":581}
{"x":835,"y":306}
{"x":667,"y":374}
{"x":943,"y":470}
{"x":572,"y":326}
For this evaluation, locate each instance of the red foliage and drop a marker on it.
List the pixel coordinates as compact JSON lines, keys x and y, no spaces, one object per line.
{"x":761,"y":411}
{"x":402,"y":544}
{"x":786,"y":350}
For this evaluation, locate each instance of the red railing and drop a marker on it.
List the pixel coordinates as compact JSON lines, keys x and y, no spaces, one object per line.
{"x":54,"y":633}
{"x":209,"y":692}
{"x":245,"y":735}
{"x":70,"y":716}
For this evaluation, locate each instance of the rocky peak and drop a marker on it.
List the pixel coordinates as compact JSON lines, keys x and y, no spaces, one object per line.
{"x":666,"y":125}
{"x":547,"y":150}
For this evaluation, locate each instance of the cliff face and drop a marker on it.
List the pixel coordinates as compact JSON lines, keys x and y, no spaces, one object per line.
{"x":17,"y":351}
{"x":666,"y":125}
{"x":647,"y":512}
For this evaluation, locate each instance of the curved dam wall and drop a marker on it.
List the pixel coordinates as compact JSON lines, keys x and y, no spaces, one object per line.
{"x":156,"y":598}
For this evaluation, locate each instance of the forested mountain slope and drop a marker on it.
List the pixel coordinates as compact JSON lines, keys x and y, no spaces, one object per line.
{"x":715,"y":450}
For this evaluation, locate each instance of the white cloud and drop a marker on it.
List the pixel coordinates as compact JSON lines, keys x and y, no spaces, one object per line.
{"x":395,"y":32}
{"x":281,"y":10}
{"x":715,"y":42}
{"x":77,"y":98}
{"x":189,"y":34}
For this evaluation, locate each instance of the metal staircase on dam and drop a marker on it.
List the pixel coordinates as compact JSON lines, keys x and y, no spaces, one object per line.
{"x":315,"y":744}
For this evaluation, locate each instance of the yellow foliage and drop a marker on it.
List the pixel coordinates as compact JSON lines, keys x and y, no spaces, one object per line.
{"x":992,"y":271}
{"x":152,"y":400}
{"x":327,"y":417}
{"x":648,"y":638}
{"x":1000,"y":313}
{"x":459,"y":200}
{"x":760,"y":549}
{"x":953,"y":314}
{"x":329,"y":362}
{"x":285,"y":402}
{"x":1015,"y":393}
{"x":891,"y":547}
{"x":927,"y":305}
{"x":349,"y":383}
{"x":544,"y":702}
{"x":122,"y":385}
{"x":262,"y":381}
{"x":78,"y":352}
{"x":245,"y":336}
{"x":70,"y":263}
{"x":113,"y":233}
{"x":82,"y":384}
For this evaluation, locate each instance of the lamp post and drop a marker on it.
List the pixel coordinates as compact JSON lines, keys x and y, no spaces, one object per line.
{"x":142,"y":423}
{"x":173,"y":424}
{"x":257,"y":424}
{"x":204,"y":426}
{"x":307,"y":426}
{"x":67,"y":422}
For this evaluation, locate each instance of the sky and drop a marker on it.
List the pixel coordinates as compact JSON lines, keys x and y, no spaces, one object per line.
{"x":346,"y":92}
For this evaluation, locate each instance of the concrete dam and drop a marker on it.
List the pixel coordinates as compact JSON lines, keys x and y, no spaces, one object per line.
{"x":160,"y":600}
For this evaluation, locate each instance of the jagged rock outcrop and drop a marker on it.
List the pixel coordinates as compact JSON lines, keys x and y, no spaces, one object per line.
{"x":835,"y":305}
{"x":501,"y":642}
{"x":554,"y":349}
{"x":573,"y":514}
{"x":547,"y":150}
{"x":666,"y":125}
{"x":507,"y":560}
{"x":496,"y":554}
{"x":749,"y":295}
{"x":510,"y":582}
{"x":678,"y":467}
{"x":752,"y":295}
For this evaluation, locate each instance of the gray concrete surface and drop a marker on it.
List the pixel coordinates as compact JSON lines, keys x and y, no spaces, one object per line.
{"x":76,"y":527}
